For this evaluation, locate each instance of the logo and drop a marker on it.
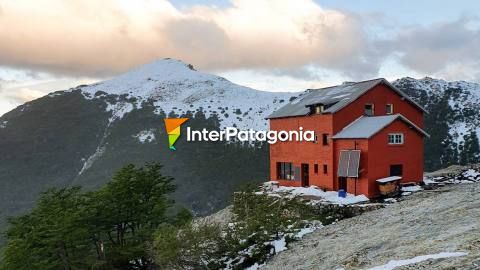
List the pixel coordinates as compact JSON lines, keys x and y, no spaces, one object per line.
{"x":172,"y":125}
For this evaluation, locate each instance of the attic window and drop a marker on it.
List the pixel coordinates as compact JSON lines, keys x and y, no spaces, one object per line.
{"x":319,"y":109}
{"x":389,"y":109}
{"x":369,"y":109}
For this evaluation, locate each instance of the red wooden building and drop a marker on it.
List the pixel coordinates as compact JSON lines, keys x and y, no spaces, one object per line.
{"x":364,"y":131}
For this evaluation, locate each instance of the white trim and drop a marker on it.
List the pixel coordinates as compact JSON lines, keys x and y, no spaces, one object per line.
{"x":386,"y":106}
{"x":398,"y":138}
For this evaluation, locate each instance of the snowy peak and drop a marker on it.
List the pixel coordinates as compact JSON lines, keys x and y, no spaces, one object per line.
{"x":174,"y":86}
{"x":143,"y":80}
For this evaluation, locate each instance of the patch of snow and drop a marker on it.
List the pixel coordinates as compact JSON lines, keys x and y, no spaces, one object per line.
{"x":471,"y":173}
{"x":3,"y":124}
{"x":412,"y":189}
{"x":119,"y":110}
{"x":305,"y":231}
{"x":457,"y":131}
{"x":328,"y":196}
{"x":279,"y":245}
{"x":389,"y":179}
{"x":98,"y":153}
{"x":429,"y":181}
{"x":406,"y":193}
{"x":390,"y":200}
{"x":398,"y":263}
{"x":145,"y":136}
{"x":256,"y":266}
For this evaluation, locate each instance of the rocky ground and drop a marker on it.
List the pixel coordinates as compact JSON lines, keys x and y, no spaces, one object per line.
{"x":445,"y":219}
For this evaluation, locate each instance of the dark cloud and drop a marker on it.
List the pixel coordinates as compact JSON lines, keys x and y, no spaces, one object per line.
{"x":449,"y":49}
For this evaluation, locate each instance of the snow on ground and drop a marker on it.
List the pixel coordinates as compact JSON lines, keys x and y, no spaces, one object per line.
{"x":175,"y":86}
{"x":427,"y":222}
{"x":462,"y":175}
{"x":471,"y":174}
{"x":145,"y":136}
{"x":256,"y":266}
{"x":305,"y":231}
{"x":327,"y":196}
{"x":412,"y":188}
{"x":279,"y":245}
{"x":398,"y":263}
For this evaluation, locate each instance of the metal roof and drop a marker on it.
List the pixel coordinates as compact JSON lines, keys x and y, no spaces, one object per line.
{"x":348,"y":163}
{"x":333,"y":98}
{"x":367,"y":126}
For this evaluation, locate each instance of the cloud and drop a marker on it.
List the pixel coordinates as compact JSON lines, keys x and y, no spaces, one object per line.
{"x":101,"y":38}
{"x":448,"y":50}
{"x":20,"y":95}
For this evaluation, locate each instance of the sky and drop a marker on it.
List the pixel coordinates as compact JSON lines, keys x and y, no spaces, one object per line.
{"x":272,"y":45}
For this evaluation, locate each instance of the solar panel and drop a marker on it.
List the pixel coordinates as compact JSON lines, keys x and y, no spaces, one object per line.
{"x":349,"y":163}
{"x":343,"y":163}
{"x":354,"y":163}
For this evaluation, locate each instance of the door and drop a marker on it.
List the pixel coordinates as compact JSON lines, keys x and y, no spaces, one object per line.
{"x":305,"y":179}
{"x":396,"y":170}
{"x":342,"y":183}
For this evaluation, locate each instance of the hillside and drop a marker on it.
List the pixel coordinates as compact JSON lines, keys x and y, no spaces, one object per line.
{"x":426,"y":223}
{"x":81,"y":135}
{"x":453,"y":120}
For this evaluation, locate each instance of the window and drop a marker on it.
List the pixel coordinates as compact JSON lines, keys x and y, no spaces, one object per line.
{"x":325,"y":169}
{"x":369,"y":108}
{"x":315,"y":168}
{"x":396,"y":170}
{"x":395,"y":138}
{"x":285,"y":171}
{"x":389,"y":109}
{"x":325,"y":138}
{"x":317,"y":109}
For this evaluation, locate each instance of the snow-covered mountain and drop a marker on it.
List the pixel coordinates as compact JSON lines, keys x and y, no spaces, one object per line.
{"x":82,"y":135}
{"x":453,"y":119}
{"x":174,"y":86}
{"x":463,"y":99}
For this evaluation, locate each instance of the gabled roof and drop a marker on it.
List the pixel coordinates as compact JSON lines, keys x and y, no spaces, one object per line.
{"x":367,"y":126}
{"x":333,"y":98}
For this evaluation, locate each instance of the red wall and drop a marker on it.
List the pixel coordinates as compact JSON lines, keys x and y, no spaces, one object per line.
{"x":304,"y":152}
{"x":382,"y":155}
{"x":362,"y":181}
{"x":376,"y":155}
{"x":380,"y":95}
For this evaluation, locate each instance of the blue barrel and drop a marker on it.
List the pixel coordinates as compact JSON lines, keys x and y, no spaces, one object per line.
{"x":342,"y":193}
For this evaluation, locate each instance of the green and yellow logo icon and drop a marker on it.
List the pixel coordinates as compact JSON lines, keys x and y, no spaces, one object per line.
{"x":172,"y":125}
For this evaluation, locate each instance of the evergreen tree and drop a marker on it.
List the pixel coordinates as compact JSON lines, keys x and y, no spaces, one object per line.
{"x":49,"y":237}
{"x":111,"y":228}
{"x":124,"y":214}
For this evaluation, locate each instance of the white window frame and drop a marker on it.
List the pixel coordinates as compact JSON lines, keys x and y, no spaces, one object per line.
{"x":373,"y":109}
{"x":386,"y":108}
{"x":396,"y":138}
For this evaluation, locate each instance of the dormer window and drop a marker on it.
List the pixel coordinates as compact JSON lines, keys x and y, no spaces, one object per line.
{"x":318,"y":109}
{"x":369,"y":109}
{"x":389,"y":109}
